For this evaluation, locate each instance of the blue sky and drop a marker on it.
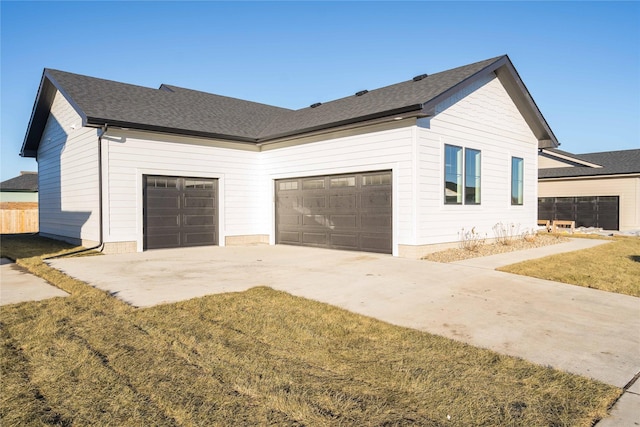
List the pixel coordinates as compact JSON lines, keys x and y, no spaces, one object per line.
{"x":579,"y":60}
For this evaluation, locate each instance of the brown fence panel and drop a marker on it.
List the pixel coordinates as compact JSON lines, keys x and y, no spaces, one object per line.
{"x":18,"y":217}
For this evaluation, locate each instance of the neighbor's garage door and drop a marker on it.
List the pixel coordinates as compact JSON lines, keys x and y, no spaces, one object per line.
{"x":179,"y":212}
{"x":350,"y":212}
{"x":591,"y":211}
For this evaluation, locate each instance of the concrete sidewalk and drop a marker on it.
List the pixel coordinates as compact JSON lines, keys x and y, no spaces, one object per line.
{"x":500,"y":260}
{"x":580,"y":330}
{"x":17,"y":285}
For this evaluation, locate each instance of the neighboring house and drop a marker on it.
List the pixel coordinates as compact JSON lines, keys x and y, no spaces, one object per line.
{"x":22,"y":188}
{"x":594,"y":190}
{"x":400,"y":169}
{"x":19,"y":204}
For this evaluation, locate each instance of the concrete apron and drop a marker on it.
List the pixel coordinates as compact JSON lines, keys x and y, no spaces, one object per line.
{"x":579,"y":330}
{"x":18,"y":285}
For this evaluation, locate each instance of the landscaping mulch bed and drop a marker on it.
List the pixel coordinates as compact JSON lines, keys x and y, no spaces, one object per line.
{"x":517,"y":244}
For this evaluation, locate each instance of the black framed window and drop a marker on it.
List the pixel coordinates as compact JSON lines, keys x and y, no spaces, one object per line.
{"x":471,"y":177}
{"x":517,"y":181}
{"x":461,"y":187}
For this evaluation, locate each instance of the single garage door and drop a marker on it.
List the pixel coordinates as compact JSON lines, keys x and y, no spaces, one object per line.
{"x":590,"y":211}
{"x":351,"y":212}
{"x":179,"y":211}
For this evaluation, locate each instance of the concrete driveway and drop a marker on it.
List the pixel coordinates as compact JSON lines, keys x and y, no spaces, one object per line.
{"x":580,"y":330}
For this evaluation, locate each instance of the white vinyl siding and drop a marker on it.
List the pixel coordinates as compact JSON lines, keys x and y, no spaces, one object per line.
{"x":67,"y":175}
{"x":485,"y":118}
{"x":131,"y":155}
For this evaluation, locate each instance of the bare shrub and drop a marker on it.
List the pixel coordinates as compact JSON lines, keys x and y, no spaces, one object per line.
{"x":529,"y":235}
{"x":506,"y":234}
{"x":471,"y":240}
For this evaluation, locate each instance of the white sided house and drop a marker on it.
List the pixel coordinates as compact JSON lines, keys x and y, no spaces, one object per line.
{"x":398,"y":170}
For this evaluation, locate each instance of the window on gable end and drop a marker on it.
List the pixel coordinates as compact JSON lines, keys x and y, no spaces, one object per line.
{"x":517,"y":181}
{"x":462,"y":187}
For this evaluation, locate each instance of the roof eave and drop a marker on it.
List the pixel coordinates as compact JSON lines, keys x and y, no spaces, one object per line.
{"x":591,"y":176}
{"x":99,"y":122}
{"x":40,"y":113}
{"x":415,"y":110}
{"x":515,"y":87}
{"x":508,"y":76}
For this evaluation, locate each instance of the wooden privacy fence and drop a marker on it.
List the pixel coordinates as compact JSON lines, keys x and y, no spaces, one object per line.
{"x":18,"y":217}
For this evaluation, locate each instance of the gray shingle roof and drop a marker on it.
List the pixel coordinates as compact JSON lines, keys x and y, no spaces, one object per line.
{"x":27,"y":182}
{"x":613,"y":163}
{"x":396,"y":97}
{"x":168,"y":108}
{"x":177,"y":110}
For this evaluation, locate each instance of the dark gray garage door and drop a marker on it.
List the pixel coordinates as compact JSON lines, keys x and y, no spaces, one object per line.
{"x":350,"y":212}
{"x":179,"y":212}
{"x":590,"y":211}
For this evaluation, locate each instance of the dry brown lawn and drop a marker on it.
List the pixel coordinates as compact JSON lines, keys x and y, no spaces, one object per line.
{"x":613,"y":267}
{"x":259,"y":357}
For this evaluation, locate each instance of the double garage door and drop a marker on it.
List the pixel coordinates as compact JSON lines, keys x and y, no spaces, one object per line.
{"x":590,"y":211}
{"x":351,"y":211}
{"x":179,"y":212}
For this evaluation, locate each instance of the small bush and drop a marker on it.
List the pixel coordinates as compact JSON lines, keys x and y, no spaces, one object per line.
{"x":506,"y":233}
{"x":471,"y":240}
{"x":529,"y":235}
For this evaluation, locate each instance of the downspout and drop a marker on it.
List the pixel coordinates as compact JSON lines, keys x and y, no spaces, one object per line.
{"x":100,"y":246}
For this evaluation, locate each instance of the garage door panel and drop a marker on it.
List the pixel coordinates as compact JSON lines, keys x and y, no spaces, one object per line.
{"x":199,"y":202}
{"x":376,"y":242}
{"x":344,"y":221}
{"x":291,"y":237}
{"x":376,"y":221}
{"x":314,"y":202}
{"x":376,"y":199}
{"x":316,"y":221}
{"x":352,"y":211}
{"x":179,"y":211}
{"x":288,"y":202}
{"x":197,"y":239}
{"x":161,"y":203}
{"x":314,"y":238}
{"x":199,"y":220}
{"x":344,"y":241}
{"x":162,"y":221}
{"x":159,"y":241}
{"x":289,"y":219}
{"x":343,"y":202}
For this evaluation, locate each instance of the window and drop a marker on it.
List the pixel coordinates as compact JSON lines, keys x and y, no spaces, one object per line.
{"x":384,"y":179}
{"x":312,"y":184}
{"x":288,"y":185}
{"x":471,"y":177}
{"x":452,"y":175}
{"x":347,"y":181}
{"x":517,"y":181}
{"x":461,"y":188}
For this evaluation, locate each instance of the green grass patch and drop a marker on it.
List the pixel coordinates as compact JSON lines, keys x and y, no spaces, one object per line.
{"x":612,"y":267}
{"x":260,"y":357}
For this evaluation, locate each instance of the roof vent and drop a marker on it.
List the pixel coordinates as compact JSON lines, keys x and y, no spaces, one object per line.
{"x":420,"y":77}
{"x":317,"y":104}
{"x":362,"y":92}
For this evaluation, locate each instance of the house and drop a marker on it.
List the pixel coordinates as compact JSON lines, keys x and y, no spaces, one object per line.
{"x":22,"y":188}
{"x":19,"y":204}
{"x":595,"y":190}
{"x":399,"y":169}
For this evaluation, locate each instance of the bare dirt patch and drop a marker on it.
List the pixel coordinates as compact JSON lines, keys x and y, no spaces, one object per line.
{"x":517,"y":244}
